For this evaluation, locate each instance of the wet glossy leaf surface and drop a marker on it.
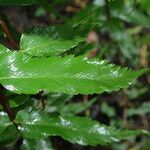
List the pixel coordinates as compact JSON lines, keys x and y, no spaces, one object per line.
{"x":115,"y":30}
{"x":36,"y":145}
{"x":4,"y":122}
{"x":22,"y":74}
{"x":74,"y":129}
{"x":49,"y":41}
{"x":3,"y":49}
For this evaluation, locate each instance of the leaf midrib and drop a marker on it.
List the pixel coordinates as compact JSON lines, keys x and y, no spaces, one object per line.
{"x":46,"y":44}
{"x":46,"y":77}
{"x":58,"y":126}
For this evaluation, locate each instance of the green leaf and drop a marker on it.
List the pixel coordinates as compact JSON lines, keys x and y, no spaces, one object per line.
{"x":75,"y":108}
{"x":36,"y":145}
{"x":140,"y":18}
{"x":145,"y":144}
{"x":3,"y":49}
{"x":19,"y":2}
{"x":4,"y":122}
{"x":49,"y":41}
{"x":72,"y":75}
{"x":17,"y":100}
{"x":68,"y":108}
{"x":57,"y":99}
{"x":145,"y":4}
{"x":86,"y":24}
{"x":122,"y":39}
{"x":61,"y":103}
{"x":127,"y":12}
{"x":10,"y":135}
{"x":78,"y":130}
{"x":143,"y":109}
{"x":108,"y":110}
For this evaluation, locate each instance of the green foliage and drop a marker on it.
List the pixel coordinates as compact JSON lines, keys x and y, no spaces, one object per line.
{"x":10,"y":135}
{"x":23,"y":74}
{"x":55,"y":62}
{"x":50,"y":41}
{"x":86,"y":23}
{"x":36,"y":145}
{"x":3,"y":49}
{"x":61,"y":103}
{"x":4,"y":122}
{"x":108,"y":110}
{"x":75,"y":129}
{"x":143,"y":109}
{"x":145,"y":5}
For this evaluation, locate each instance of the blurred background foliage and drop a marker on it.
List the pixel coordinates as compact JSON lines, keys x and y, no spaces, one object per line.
{"x":118,"y":30}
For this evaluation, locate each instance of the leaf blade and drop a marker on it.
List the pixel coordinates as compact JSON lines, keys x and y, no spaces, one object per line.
{"x":79,"y":130}
{"x":50,"y":41}
{"x":23,"y":74}
{"x":3,"y":49}
{"x":4,"y":122}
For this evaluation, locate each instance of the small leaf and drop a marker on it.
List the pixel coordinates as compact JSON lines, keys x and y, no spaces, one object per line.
{"x":75,"y":108}
{"x":86,"y":24}
{"x":108,"y":110}
{"x":126,"y":13}
{"x":9,"y":135}
{"x":139,"y":18}
{"x":4,"y":122}
{"x":61,"y":103}
{"x":49,"y":41}
{"x":57,"y":99}
{"x":143,"y":109}
{"x":72,"y":75}
{"x":67,"y":108}
{"x":36,"y":145}
{"x":78,"y":130}
{"x":3,"y":49}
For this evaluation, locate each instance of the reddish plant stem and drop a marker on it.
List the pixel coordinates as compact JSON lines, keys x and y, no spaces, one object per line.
{"x":5,"y":28}
{"x":3,"y":100}
{"x":6,"y":107}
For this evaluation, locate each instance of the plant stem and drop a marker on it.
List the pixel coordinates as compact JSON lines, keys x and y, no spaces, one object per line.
{"x":6,"y":107}
{"x":3,"y":100}
{"x":5,"y":28}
